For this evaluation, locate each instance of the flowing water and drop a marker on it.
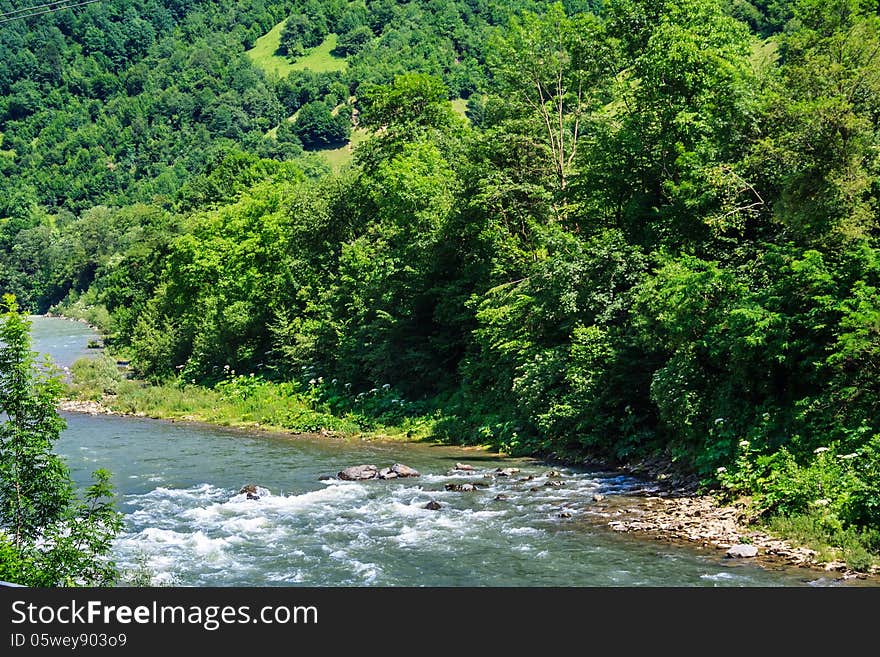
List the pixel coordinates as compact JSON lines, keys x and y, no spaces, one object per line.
{"x":187,"y":524}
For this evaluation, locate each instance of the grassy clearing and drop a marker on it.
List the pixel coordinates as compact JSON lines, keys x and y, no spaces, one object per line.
{"x":460,"y":106}
{"x":319,"y":59}
{"x":337,"y":158}
{"x":263,"y":53}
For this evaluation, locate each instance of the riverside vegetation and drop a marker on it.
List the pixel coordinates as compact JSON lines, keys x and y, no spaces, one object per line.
{"x":48,"y":537}
{"x":655,"y":231}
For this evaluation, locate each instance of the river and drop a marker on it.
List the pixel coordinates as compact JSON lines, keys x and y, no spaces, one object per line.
{"x":187,"y":525}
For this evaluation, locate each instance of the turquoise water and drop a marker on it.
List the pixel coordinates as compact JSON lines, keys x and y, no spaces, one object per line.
{"x":187,"y":524}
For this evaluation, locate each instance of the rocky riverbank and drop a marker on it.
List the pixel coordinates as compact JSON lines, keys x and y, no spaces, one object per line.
{"x":84,"y":406}
{"x":700,"y":519}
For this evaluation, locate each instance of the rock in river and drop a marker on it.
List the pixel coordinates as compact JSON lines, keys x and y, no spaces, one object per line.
{"x":359,"y":473}
{"x":253,"y":491}
{"x":461,"y":488}
{"x":402,"y":470}
{"x":742,"y":551}
{"x":433,"y":505}
{"x":463,"y":466}
{"x":506,"y":472}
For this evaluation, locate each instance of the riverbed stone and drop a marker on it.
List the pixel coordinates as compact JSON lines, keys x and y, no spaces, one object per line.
{"x":402,"y":470}
{"x":742,"y":551}
{"x":387,"y":473}
{"x":506,"y":472}
{"x":359,"y":473}
{"x":465,"y":467}
{"x":433,"y":505}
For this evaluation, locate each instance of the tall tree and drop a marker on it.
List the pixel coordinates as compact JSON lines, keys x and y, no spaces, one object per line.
{"x":553,"y":66}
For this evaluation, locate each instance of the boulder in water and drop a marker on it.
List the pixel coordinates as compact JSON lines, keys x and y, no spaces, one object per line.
{"x":433,"y":505}
{"x":506,"y":472}
{"x":252,"y":491}
{"x":402,"y":470}
{"x":387,"y":473}
{"x":359,"y":473}
{"x":465,"y":467}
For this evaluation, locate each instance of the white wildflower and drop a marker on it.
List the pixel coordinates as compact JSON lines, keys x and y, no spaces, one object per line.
{"x":819,"y":450}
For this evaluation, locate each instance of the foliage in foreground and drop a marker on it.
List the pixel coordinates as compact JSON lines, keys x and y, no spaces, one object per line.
{"x":48,"y":536}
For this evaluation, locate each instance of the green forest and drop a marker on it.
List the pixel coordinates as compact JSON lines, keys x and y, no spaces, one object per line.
{"x":618,"y":229}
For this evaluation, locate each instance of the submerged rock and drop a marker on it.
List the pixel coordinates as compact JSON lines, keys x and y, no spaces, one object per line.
{"x":553,"y":473}
{"x":742,"y":551}
{"x":555,"y":483}
{"x":252,"y":491}
{"x":433,"y":505}
{"x":501,"y":497}
{"x":461,"y":488}
{"x":359,"y":473}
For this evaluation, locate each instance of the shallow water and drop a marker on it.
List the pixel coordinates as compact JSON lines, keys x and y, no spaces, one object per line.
{"x":187,"y":524}
{"x":65,"y":340}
